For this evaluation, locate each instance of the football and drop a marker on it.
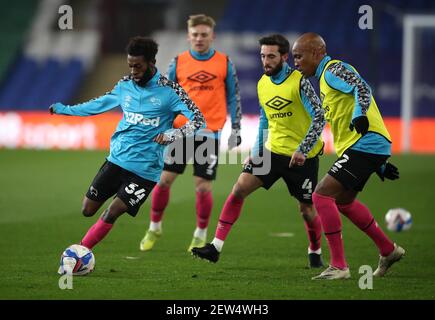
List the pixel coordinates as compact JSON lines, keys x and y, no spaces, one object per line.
{"x":398,"y":219}
{"x":76,"y":260}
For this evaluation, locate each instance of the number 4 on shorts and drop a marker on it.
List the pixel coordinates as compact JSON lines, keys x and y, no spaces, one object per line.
{"x":307,"y":185}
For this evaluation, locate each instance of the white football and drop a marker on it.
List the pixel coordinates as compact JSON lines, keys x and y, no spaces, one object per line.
{"x":76,"y":260}
{"x":398,"y":219}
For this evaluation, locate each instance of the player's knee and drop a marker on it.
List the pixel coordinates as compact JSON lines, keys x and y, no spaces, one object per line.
{"x":307,"y":211}
{"x":110,"y":215}
{"x":114,"y":211}
{"x":319,"y":188}
{"x":323,"y":189}
{"x":203,"y":186}
{"x":87,"y":210}
{"x":202,"y":189}
{"x":167,"y":179}
{"x":164,"y":183}
{"x":239,"y":190}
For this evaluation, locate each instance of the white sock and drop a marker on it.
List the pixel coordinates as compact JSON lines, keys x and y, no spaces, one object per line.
{"x":156,"y":226}
{"x":318,"y":251}
{"x":200,"y":233}
{"x":218,"y":244}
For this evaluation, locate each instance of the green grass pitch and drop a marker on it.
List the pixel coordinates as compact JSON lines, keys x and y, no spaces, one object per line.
{"x":40,"y":202}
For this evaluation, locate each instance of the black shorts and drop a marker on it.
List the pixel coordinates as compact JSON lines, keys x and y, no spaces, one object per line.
{"x":354,"y":168}
{"x":203,"y":150}
{"x":129,"y":187}
{"x":300,"y":180}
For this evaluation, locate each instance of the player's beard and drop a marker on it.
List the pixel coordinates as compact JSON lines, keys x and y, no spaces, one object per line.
{"x":275,"y":70}
{"x":148,"y":74}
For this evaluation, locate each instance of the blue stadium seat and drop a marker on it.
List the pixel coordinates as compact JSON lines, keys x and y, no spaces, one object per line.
{"x":48,"y":76}
{"x":65,"y":90}
{"x":35,"y":85}
{"x":16,"y":85}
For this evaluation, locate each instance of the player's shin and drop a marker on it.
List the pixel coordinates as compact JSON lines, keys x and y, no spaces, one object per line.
{"x":331,"y":224}
{"x":313,"y":226}
{"x":159,"y":201}
{"x":314,"y":232}
{"x":361,"y":216}
{"x":204,"y":205}
{"x":96,"y":233}
{"x":229,"y":215}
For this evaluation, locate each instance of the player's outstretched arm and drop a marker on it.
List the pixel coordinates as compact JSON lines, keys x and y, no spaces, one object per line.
{"x":95,"y":106}
{"x":57,"y":108}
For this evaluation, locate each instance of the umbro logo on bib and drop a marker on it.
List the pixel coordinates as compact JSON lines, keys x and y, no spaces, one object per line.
{"x":202,"y":77}
{"x":278,"y":103}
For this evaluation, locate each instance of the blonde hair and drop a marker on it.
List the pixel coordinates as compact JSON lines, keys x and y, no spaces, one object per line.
{"x":198,"y":19}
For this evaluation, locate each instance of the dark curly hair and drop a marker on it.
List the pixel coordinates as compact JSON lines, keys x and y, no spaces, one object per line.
{"x":142,"y":46}
{"x":276,"y":40}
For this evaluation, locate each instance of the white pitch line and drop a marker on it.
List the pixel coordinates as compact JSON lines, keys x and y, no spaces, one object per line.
{"x":282,"y":234}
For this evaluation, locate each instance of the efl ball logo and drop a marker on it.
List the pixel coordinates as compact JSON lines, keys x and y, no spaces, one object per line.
{"x":398,"y":219}
{"x":76,"y":260}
